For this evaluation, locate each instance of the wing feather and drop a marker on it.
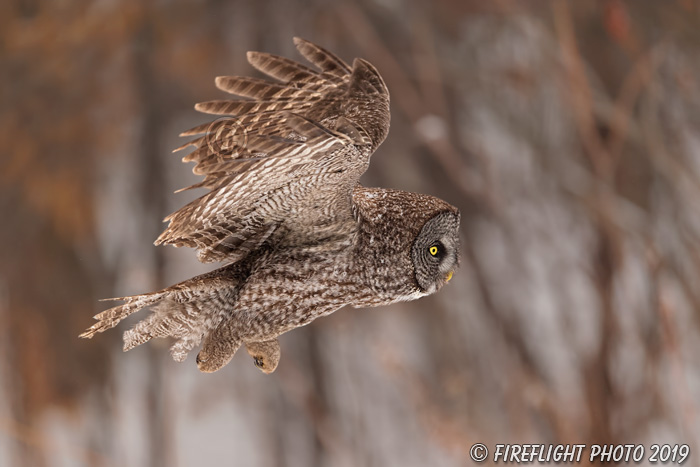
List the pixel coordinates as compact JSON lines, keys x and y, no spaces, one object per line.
{"x":262,"y":89}
{"x":281,"y":68}
{"x":322,"y":58}
{"x":284,"y":148}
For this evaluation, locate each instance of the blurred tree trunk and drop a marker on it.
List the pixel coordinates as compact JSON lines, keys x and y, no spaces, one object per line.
{"x":153,"y":192}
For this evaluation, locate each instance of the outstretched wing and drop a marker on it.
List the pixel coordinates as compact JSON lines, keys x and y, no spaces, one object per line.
{"x":286,"y":157}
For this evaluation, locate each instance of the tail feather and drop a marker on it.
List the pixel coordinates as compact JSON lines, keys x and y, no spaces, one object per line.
{"x":142,"y":332}
{"x":171,"y":318}
{"x":111,"y":317}
{"x":187,"y":311}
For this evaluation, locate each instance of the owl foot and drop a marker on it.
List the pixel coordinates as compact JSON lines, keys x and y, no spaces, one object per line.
{"x":211,"y":361}
{"x":266,"y":355}
{"x":217,"y":351}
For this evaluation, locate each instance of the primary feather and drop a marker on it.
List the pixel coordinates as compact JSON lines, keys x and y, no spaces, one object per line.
{"x":317,"y":126}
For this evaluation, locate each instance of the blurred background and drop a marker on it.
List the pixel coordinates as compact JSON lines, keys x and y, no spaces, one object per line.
{"x":568,"y":133}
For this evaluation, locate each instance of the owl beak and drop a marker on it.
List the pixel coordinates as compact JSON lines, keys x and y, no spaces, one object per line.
{"x":449,"y":276}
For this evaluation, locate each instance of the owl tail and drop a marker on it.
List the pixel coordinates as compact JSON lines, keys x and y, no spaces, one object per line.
{"x":185,"y":320}
{"x":187,"y":311}
{"x":110,"y":318}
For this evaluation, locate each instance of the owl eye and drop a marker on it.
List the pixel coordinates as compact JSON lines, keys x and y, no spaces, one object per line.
{"x":437,"y":250}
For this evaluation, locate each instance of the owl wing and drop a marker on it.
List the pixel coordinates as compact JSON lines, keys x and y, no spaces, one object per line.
{"x":297,"y":145}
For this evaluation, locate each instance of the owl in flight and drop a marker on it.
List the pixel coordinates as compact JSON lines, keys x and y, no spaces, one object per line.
{"x":299,"y":236}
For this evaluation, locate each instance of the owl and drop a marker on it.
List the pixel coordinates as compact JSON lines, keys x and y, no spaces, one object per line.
{"x":285,"y":214}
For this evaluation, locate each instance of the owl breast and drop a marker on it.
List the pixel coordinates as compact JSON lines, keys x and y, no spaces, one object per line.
{"x":293,"y":287}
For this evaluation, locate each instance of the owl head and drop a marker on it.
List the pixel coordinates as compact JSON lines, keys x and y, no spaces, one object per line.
{"x":409,"y":242}
{"x":435,"y":251}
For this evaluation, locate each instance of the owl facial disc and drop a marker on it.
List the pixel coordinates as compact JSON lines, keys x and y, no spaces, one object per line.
{"x":435,"y":251}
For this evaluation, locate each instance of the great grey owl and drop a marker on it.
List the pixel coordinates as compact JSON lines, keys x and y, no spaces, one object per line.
{"x":299,"y":236}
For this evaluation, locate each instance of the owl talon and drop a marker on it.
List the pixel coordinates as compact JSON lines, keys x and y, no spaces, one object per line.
{"x":266,"y":355}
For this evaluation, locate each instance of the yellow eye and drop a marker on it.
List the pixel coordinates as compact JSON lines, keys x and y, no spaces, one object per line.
{"x":433,"y":250}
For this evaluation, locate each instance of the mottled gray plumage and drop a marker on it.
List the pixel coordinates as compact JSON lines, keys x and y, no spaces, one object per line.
{"x":285,"y":211}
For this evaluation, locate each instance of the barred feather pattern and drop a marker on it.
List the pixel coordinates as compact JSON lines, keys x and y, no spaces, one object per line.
{"x":294,"y":286}
{"x":187,"y":317}
{"x":308,"y":135}
{"x":111,"y":317}
{"x":299,"y":236}
{"x":186,"y":311}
